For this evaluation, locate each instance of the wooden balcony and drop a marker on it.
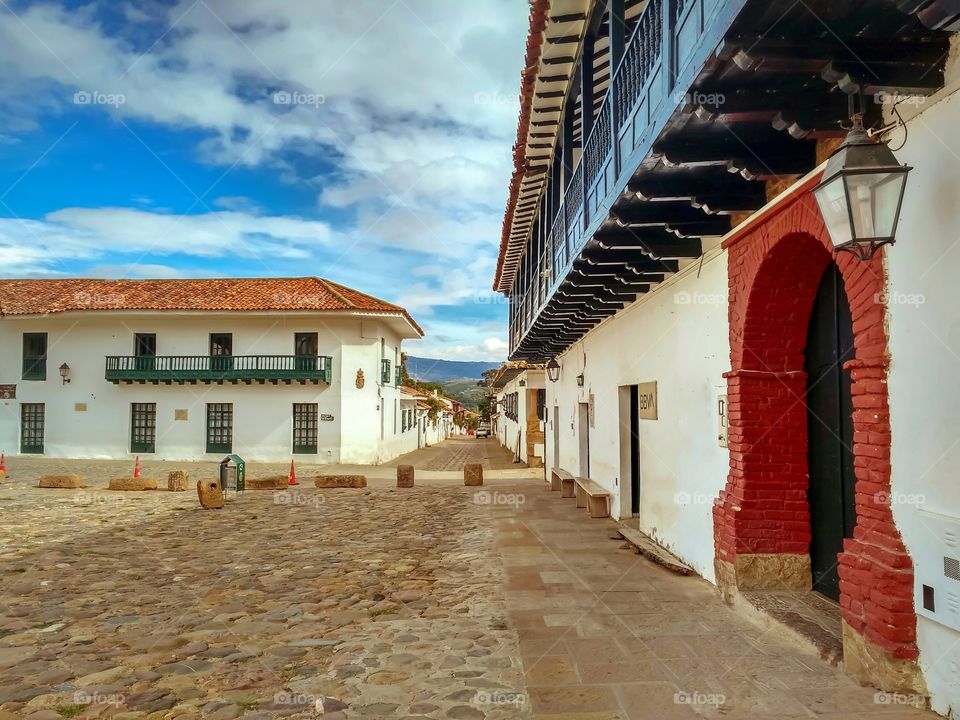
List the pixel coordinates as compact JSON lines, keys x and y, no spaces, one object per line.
{"x":708,"y":101}
{"x":193,"y":369}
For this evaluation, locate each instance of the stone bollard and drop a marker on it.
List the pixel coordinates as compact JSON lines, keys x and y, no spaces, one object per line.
{"x":177,"y":481}
{"x":61,"y":481}
{"x":404,"y":476}
{"x":326,"y":482}
{"x":133,"y":484}
{"x":473,"y":474}
{"x":210,"y":494}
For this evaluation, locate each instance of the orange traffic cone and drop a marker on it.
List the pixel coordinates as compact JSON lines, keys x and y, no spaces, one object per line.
{"x":293,"y":474}
{"x":136,"y":468}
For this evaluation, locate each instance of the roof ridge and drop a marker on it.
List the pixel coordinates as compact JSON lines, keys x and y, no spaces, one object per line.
{"x":329,"y":286}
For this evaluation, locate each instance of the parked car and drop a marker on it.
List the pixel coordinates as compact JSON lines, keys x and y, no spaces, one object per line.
{"x":483,"y":431}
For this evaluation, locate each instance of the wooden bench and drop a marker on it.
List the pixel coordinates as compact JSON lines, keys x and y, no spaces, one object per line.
{"x":591,"y":495}
{"x":558,"y":478}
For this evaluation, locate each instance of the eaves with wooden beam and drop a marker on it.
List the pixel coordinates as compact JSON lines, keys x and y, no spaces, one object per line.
{"x":651,"y":127}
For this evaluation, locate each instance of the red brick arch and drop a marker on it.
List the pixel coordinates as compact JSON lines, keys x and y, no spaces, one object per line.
{"x":761,"y":518}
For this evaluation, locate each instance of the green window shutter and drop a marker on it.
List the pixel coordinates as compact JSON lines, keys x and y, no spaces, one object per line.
{"x":34,"y":356}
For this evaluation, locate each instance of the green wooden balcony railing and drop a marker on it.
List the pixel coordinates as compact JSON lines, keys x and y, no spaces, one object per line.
{"x":219,"y":368}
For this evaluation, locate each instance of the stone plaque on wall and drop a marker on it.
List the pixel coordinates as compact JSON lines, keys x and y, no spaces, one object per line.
{"x":79,"y":407}
{"x":8,"y":392}
{"x":180,"y":414}
{"x":647,"y":396}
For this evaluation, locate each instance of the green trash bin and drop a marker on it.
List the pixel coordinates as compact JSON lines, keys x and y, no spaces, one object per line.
{"x":233,"y":473}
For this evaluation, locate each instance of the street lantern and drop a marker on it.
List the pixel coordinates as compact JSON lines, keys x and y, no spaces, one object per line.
{"x":65,"y":373}
{"x":861,"y":193}
{"x":553,"y":370}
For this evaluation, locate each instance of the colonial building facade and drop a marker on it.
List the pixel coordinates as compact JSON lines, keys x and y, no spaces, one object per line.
{"x":778,"y":413}
{"x":192,"y":369}
{"x":519,"y":394}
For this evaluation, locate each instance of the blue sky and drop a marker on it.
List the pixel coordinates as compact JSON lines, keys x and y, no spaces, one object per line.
{"x":368,"y":142}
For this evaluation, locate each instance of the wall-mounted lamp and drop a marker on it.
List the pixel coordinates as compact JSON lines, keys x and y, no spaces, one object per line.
{"x":580,"y":380}
{"x":65,"y":373}
{"x":861,"y":193}
{"x":553,"y":370}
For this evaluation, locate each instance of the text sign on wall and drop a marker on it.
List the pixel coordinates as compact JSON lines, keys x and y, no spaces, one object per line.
{"x":326,"y":418}
{"x":647,"y":397}
{"x":8,"y":392}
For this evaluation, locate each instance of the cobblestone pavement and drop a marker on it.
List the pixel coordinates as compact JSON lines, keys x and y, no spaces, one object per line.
{"x":456,"y":452}
{"x":439,"y":602}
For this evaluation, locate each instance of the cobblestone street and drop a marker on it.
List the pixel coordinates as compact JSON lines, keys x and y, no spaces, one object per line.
{"x":437,"y":602}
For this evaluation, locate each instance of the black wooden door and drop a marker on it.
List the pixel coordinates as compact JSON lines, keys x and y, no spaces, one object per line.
{"x":830,"y":430}
{"x":634,"y":450}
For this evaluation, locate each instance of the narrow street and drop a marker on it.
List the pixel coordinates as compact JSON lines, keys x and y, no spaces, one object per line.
{"x":458,"y":451}
{"x":500,"y":602}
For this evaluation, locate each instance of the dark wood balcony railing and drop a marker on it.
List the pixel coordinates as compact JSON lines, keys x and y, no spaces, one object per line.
{"x":219,"y":368}
{"x":670,"y":44}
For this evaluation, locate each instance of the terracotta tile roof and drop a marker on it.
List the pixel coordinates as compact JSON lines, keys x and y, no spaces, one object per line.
{"x":40,"y":297}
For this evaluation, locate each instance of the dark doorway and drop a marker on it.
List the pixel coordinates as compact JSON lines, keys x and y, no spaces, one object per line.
{"x":221,"y":351}
{"x":634,"y":450}
{"x":145,"y":350}
{"x":584,"y":423}
{"x":830,"y":430}
{"x":306,"y":348}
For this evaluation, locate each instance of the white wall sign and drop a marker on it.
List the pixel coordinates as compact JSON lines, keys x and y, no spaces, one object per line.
{"x":647,"y":396}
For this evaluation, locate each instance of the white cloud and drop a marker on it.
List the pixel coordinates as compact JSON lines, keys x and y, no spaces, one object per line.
{"x":417,"y":120}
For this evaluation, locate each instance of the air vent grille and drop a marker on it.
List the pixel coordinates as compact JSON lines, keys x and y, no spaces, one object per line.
{"x":951,"y":568}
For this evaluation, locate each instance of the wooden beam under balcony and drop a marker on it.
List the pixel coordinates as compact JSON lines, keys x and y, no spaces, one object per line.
{"x":637,"y":261}
{"x":665,"y":247}
{"x":753,"y":153}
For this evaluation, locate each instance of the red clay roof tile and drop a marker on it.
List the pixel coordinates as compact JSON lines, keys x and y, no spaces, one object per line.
{"x":311,"y":294}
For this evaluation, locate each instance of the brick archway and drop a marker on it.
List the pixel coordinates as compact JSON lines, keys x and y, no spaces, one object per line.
{"x":762,"y":518}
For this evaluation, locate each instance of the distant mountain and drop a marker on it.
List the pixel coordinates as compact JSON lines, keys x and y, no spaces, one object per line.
{"x":433,"y":370}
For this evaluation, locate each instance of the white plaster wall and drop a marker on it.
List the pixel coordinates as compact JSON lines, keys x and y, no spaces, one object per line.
{"x":678,"y":336}
{"x":924,"y":331}
{"x":263,"y":422}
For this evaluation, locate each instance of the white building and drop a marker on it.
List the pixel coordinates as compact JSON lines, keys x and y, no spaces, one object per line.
{"x":520,"y":396}
{"x":194,"y":369}
{"x":778,"y":413}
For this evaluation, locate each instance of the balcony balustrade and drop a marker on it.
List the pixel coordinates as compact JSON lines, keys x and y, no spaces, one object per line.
{"x":219,"y":368}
